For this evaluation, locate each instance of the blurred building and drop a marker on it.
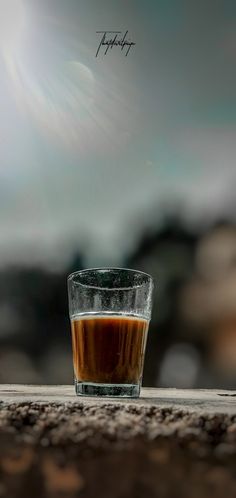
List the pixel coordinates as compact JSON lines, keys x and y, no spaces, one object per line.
{"x":119,"y":161}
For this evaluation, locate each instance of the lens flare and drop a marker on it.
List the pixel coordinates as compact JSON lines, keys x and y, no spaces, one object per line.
{"x":58,"y":89}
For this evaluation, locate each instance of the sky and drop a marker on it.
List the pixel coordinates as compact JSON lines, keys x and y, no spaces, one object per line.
{"x":95,"y":149}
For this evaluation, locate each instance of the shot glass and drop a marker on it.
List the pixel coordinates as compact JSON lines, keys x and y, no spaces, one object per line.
{"x":110,"y":310}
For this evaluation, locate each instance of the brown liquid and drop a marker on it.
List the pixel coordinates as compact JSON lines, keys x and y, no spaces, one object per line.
{"x":108,"y":349}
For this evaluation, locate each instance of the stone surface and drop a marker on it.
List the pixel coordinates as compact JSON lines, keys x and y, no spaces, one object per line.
{"x":168,"y":443}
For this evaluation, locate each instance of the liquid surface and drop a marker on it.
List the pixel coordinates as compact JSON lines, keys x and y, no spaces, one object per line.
{"x":108,"y":349}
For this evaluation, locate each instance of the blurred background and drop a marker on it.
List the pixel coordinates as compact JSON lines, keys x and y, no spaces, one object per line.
{"x":119,"y":161}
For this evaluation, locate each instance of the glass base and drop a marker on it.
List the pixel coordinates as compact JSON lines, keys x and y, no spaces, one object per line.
{"x":112,"y":390}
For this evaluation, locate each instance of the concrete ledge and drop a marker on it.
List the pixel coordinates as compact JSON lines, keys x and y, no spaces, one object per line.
{"x":192,"y":400}
{"x":168,"y":443}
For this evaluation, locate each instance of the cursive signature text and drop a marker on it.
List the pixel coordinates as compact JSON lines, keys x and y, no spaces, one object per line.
{"x":111,"y":39}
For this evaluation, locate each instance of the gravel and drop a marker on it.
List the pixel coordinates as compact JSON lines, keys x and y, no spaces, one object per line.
{"x":115,"y":451}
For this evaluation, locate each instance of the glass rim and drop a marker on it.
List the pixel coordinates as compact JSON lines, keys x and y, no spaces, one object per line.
{"x":107,"y":268}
